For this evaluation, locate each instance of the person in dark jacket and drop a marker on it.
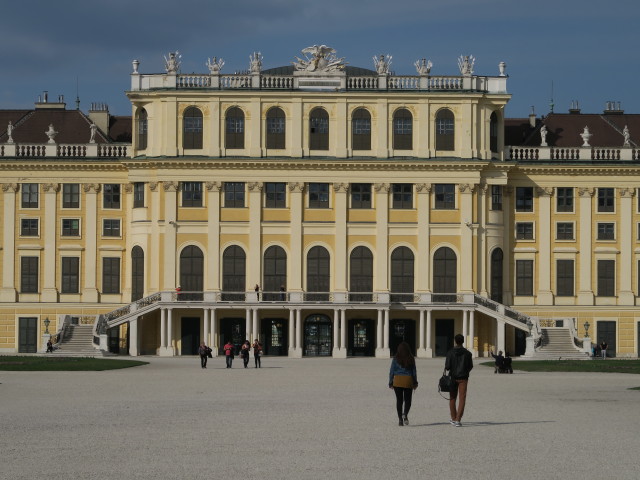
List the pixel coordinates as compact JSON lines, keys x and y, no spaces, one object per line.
{"x":459,"y":364}
{"x":403,"y":378}
{"x":499,"y":368}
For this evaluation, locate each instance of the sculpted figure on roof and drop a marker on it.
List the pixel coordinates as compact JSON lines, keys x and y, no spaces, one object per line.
{"x":319,"y":58}
{"x":255,"y":62}
{"x":423,"y":66}
{"x":382,"y":63}
{"x":172,"y":63}
{"x":214,"y":65}
{"x":465,"y":63}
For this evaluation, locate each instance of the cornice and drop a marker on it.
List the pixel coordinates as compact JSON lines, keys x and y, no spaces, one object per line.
{"x":583,"y":170}
{"x":57,"y":165}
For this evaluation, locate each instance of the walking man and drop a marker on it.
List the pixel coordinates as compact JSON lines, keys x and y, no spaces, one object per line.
{"x":459,"y":364}
{"x":603,"y":348}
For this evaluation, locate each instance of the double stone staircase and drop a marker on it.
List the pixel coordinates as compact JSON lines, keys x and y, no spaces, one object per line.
{"x":77,"y":342}
{"x":557,"y":344}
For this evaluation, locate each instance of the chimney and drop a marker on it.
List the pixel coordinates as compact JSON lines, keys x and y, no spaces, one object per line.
{"x":99,"y":114}
{"x":43,"y":102}
{"x":575,"y":108}
{"x":532,"y":118}
{"x":613,"y":108}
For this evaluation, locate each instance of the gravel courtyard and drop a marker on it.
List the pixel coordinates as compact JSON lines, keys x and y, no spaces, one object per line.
{"x":312,"y":419}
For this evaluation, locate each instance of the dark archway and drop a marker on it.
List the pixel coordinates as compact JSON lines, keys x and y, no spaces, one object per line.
{"x":402,"y":277}
{"x":191,"y":273}
{"x":274,"y":282}
{"x":361,"y":275}
{"x":318,"y":274}
{"x":234,"y":265}
{"x":445,"y":273}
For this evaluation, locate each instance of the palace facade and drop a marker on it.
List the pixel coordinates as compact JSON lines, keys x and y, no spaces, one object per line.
{"x":324,"y":209}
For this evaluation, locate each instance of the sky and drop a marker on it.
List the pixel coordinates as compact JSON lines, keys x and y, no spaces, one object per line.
{"x":578,"y":50}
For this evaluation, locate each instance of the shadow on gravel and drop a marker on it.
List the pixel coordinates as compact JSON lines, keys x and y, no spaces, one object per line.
{"x":480,"y":424}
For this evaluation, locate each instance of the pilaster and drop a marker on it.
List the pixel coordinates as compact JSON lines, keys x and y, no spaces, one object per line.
{"x":255,"y":235}
{"x":340,"y":205}
{"x":9,"y":292}
{"x":424,"y":244}
{"x":545,"y":296}
{"x":169,"y":281}
{"x":49,"y":291}
{"x":382,"y":237}
{"x":625,"y":293}
{"x":151,"y":263}
{"x":213,"y":235}
{"x":585,"y":289}
{"x":296,"y":196}
{"x":466,"y":241}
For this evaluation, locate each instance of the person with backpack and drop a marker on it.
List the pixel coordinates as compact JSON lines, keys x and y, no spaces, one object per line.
{"x":458,"y":364}
{"x":403,"y":378}
{"x":204,"y":352}
{"x":228,"y":353}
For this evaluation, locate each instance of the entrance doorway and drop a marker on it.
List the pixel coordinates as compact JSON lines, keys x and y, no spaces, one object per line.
{"x":318,"y":336}
{"x":361,"y":339}
{"x":190,"y":335}
{"x":607,"y":333}
{"x":274,"y":334}
{"x":114,"y":339}
{"x":444,"y":336}
{"x":28,"y":335}
{"x":521,"y":343}
{"x":402,"y":330}
{"x":234,"y":329}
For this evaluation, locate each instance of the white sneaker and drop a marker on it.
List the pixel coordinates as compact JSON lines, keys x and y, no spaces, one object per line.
{"x":452,"y":422}
{"x":457,"y":424}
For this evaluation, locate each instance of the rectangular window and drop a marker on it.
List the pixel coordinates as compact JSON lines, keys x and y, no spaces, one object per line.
{"x":70,"y":275}
{"x":29,"y":274}
{"x":564,"y":199}
{"x":496,"y":197}
{"x":29,"y":195}
{"x":445,"y":196}
{"x":111,"y":195}
{"x":606,"y":231}
{"x":524,"y":199}
{"x":524,"y":231}
{"x":606,"y":278}
{"x":138,"y":195}
{"x":70,"y":195}
{"x":606,"y":199}
{"x":234,"y":194}
{"x":564,"y":231}
{"x":110,"y":275}
{"x":70,"y":227}
{"x":29,"y":227}
{"x":524,"y":277}
{"x":111,"y":227}
{"x":318,"y":195}
{"x":276,"y":195}
{"x":564,"y":278}
{"x":191,"y":194}
{"x":402,"y":194}
{"x":360,"y":195}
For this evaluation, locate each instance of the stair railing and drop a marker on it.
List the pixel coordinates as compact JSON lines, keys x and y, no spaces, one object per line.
{"x":63,"y":328}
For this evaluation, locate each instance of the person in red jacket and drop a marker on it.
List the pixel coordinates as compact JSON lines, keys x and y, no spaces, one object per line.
{"x":228,"y":353}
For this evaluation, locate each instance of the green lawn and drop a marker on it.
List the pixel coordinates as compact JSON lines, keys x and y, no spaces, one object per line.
{"x":599,"y":366}
{"x":70,"y":364}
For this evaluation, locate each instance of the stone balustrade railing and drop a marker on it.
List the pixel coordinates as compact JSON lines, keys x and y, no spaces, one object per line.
{"x":599,"y":154}
{"x":90,"y":150}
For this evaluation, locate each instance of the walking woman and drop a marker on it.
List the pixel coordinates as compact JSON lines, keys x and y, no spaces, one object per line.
{"x":257,"y":353}
{"x":244,"y":352}
{"x":403,"y":378}
{"x":203,"y":351}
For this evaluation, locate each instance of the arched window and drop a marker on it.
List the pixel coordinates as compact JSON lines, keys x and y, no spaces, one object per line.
{"x":493,"y":132}
{"x":402,"y":275}
{"x":445,"y":130}
{"x":496,"y":275}
{"x":142,"y":129}
{"x":319,"y":129}
{"x":276,"y":128}
{"x":192,"y":128}
{"x":191,"y":273}
{"x":234,"y":128}
{"x":445,"y":271}
{"x":318,"y":274}
{"x":234,"y":262}
{"x":402,"y":130}
{"x":361,"y":275}
{"x":361,"y":129}
{"x":137,"y":273}
{"x":275,"y":274}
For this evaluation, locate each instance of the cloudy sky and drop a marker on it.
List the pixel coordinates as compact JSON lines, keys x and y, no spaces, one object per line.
{"x":588,"y":49}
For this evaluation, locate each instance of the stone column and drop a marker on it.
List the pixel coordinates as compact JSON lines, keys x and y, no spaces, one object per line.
{"x":429,"y":349}
{"x":466,"y":240}
{"x":420,"y":351}
{"x":500,"y":334}
{"x":205,"y":321}
{"x":625,"y":291}
{"x":465,"y":329}
{"x":9,"y":292}
{"x":336,"y":332}
{"x":386,"y":333}
{"x":340,"y":259}
{"x":247,"y":323}
{"x":382,"y":237}
{"x":170,"y":234}
{"x":423,"y":270}
{"x":163,"y":331}
{"x":298,"y":352}
{"x":472,"y":334}
{"x":481,"y":238}
{"x":292,"y":334}
{"x":126,"y":269}
{"x":215,"y":344}
{"x":296,"y":198}
{"x":342,"y":353}
{"x":255,"y":234}
{"x":48,"y":232}
{"x":379,"y":335}
{"x":381,"y":138}
{"x":256,"y":326}
{"x":213,"y":236}
{"x":170,"y":352}
{"x":585,"y":290}
{"x":507,"y":242}
{"x":134,"y":344}
{"x":152,"y":257}
{"x":545,"y":296}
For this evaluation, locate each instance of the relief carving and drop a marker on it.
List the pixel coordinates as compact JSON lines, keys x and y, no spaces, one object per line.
{"x":170,"y":186}
{"x":423,"y":187}
{"x":213,"y":186}
{"x":586,"y":191}
{"x":50,"y":187}
{"x":255,"y":186}
{"x":341,"y":187}
{"x":544,"y":191}
{"x":153,"y":186}
{"x":382,"y":187}
{"x":10,"y":187}
{"x":128,"y":187}
{"x":296,"y":187}
{"x":91,"y":187}
{"x":627,"y":192}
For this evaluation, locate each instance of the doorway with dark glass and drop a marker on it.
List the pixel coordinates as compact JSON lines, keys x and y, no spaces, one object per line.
{"x":402,"y":330}
{"x":445,"y":328}
{"x":190,"y":335}
{"x":234,"y":329}
{"x":361,"y":338}
{"x":274,"y":336}
{"x":28,"y":335}
{"x":318,"y":336}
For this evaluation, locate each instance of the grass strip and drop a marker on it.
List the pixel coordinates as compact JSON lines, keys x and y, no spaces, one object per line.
{"x":63,"y":364}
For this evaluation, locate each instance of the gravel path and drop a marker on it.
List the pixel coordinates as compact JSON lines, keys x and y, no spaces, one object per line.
{"x":312,"y":419}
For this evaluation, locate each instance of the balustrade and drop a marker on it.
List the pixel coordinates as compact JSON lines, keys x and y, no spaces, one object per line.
{"x":235,"y":81}
{"x":276,"y":81}
{"x":112,"y":151}
{"x":72,"y":151}
{"x":362,"y":83}
{"x":194,"y":81}
{"x":404,"y":83}
{"x":444,"y":83}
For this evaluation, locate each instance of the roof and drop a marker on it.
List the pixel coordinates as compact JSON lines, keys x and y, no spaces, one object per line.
{"x":564,"y":129}
{"x":120,"y":129}
{"x":13,"y":116}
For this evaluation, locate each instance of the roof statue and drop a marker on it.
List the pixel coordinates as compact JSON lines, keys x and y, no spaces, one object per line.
{"x":319,"y":58}
{"x":501,"y":68}
{"x":172,"y":64}
{"x":585,"y":137}
{"x":9,"y":132}
{"x":51,"y":133}
{"x":465,"y":63}
{"x":423,"y":66}
{"x":255,"y":62}
{"x":627,"y":137}
{"x":93,"y":127}
{"x":382,"y":63}
{"x":214,"y":65}
{"x":543,"y":136}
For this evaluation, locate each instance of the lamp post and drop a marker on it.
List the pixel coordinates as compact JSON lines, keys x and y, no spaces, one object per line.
{"x":530,"y":325}
{"x":586,"y":329}
{"x":46,"y":325}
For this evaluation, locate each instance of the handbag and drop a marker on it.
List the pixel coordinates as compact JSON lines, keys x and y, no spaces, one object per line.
{"x":446,"y":383}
